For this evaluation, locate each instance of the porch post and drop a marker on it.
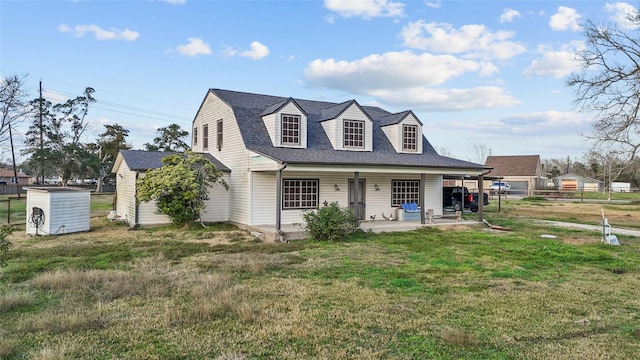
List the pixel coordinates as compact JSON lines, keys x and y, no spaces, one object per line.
{"x":480,"y":198}
{"x":356,"y":192}
{"x":421,"y":195}
{"x":279,"y":201}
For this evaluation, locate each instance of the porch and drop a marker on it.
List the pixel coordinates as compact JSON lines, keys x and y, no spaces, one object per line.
{"x":296,"y":232}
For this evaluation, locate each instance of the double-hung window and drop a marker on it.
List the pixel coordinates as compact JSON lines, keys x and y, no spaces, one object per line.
{"x":405,"y":191}
{"x":205,"y":136}
{"x":219,"y":135}
{"x":195,"y":136}
{"x":353,"y":132}
{"x":409,"y":137}
{"x":290,"y":129}
{"x":299,"y":194}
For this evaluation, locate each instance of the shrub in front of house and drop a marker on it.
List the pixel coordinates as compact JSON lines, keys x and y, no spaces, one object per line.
{"x":330,"y":222}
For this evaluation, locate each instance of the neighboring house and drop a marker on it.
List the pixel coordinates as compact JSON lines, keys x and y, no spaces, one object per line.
{"x":133,"y":164}
{"x":524,"y":173}
{"x":574,"y":182}
{"x":7,"y":177}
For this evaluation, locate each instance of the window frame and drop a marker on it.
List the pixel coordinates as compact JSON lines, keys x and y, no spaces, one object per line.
{"x":299,"y":185}
{"x":195,"y":136}
{"x":219,"y":134}
{"x":354,"y":131}
{"x":205,"y":136}
{"x":283,"y":119}
{"x":410,"y":137}
{"x":399,"y":194}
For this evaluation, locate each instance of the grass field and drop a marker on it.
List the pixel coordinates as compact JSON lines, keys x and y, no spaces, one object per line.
{"x":218,"y":293}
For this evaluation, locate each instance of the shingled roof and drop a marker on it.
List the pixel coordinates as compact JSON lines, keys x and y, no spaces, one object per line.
{"x":515,"y":165}
{"x":140,"y":160}
{"x":248,"y":109}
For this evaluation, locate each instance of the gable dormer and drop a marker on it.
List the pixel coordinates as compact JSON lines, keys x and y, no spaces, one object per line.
{"x":286,"y":123}
{"x":348,"y":127}
{"x":404,"y":131}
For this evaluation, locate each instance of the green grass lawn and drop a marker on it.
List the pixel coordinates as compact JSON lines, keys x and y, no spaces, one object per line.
{"x":217,"y":293}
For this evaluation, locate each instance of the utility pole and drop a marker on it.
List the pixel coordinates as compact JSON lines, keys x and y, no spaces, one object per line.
{"x":41,"y":139}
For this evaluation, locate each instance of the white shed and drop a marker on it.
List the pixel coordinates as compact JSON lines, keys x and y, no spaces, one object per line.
{"x":57,"y":210}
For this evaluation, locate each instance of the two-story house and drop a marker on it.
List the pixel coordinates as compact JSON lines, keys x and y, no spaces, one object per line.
{"x":284,"y":156}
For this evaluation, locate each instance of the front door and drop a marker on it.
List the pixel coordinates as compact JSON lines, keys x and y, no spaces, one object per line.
{"x":360,"y":198}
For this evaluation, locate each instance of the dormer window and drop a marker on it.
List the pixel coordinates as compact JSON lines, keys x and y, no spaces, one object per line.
{"x":353,"y":134}
{"x":409,"y":137}
{"x":290,"y":125}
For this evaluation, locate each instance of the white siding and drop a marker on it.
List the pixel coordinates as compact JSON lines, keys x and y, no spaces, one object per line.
{"x":334,"y":129}
{"x":217,"y":207}
{"x":433,"y":193}
{"x":270,"y":123}
{"x":147,"y":214}
{"x":126,"y":193}
{"x":65,"y":211}
{"x":233,"y":154}
{"x":377,"y":203}
{"x":395,"y":135}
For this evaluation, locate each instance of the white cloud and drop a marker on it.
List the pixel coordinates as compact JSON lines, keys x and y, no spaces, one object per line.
{"x":621,"y":12}
{"x":555,"y":63}
{"x":430,"y":99}
{"x":365,"y":8}
{"x":194,"y":47}
{"x":473,"y":41}
{"x":175,"y":2}
{"x":565,"y":19}
{"x":405,"y":78}
{"x":100,"y":34}
{"x":531,"y":125}
{"x":434,"y":4}
{"x":257,"y":52}
{"x":54,"y":96}
{"x":396,"y":70}
{"x":508,"y":15}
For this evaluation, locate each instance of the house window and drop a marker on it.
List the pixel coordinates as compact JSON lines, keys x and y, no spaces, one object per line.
{"x":219,"y":134}
{"x":205,"y":136}
{"x":405,"y":191}
{"x":354,"y":133}
{"x":290,"y":130}
{"x":195,"y":136}
{"x":409,"y":137}
{"x":299,"y":194}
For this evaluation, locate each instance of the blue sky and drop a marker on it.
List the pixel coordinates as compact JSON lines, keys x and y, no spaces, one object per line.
{"x":487,"y":73}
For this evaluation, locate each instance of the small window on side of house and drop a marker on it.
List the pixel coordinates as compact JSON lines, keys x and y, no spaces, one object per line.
{"x":290,"y":125}
{"x":219,"y":129}
{"x":195,"y":136}
{"x":205,"y":136}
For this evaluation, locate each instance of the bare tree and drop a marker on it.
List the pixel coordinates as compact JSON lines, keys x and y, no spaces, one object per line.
{"x":480,"y":153}
{"x":12,"y":103}
{"x":608,"y":85}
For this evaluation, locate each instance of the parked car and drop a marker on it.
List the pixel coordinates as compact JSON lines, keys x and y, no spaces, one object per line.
{"x":500,"y":187}
{"x":455,"y":196}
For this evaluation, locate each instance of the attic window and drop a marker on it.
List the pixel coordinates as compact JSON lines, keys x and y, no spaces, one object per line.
{"x":353,"y":134}
{"x":290,"y":130}
{"x":205,"y":136}
{"x":409,"y":137}
{"x":195,"y":136}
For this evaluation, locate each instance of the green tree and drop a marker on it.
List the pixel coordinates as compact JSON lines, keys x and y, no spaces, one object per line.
{"x":106,"y":148}
{"x":170,"y":139}
{"x":61,"y":131}
{"x":180,"y":186}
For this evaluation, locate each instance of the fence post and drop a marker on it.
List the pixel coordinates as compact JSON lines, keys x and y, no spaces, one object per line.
{"x":9,"y":210}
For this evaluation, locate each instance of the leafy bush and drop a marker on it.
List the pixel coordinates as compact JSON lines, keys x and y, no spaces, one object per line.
{"x":330,"y":223}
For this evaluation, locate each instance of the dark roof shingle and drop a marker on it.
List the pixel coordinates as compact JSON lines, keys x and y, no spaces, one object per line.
{"x":140,"y":160}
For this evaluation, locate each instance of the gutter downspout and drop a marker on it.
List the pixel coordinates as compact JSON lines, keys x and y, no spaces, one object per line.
{"x":481,"y":196}
{"x":279,"y":201}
